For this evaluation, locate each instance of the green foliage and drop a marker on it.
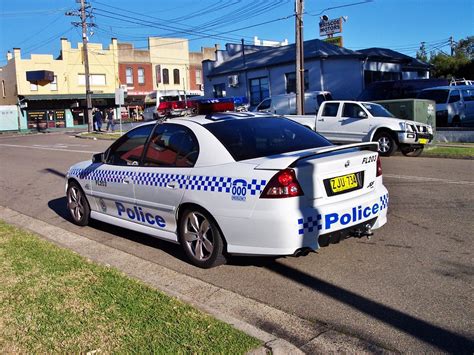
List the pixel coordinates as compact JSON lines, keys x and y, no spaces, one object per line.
{"x":460,"y":65}
{"x":421,"y":54}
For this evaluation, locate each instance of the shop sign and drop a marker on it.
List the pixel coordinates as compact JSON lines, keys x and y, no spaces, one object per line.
{"x":330,"y":27}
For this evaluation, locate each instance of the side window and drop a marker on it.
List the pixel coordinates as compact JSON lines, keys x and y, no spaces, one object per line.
{"x":468,"y":95}
{"x":172,"y":146}
{"x":330,"y":109}
{"x":265,"y":104}
{"x":454,"y":96}
{"x":351,"y":110}
{"x":128,"y":149}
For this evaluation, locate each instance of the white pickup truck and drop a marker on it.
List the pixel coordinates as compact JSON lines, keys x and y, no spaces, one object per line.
{"x":355,"y":121}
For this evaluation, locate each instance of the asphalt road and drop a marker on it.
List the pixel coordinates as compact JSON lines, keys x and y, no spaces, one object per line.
{"x":409,"y":288}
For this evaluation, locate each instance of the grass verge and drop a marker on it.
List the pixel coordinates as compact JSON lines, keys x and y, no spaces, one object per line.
{"x":108,"y":136}
{"x":449,"y":152}
{"x":52,"y":300}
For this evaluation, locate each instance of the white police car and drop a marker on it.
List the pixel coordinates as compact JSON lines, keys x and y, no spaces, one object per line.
{"x":232,"y":183}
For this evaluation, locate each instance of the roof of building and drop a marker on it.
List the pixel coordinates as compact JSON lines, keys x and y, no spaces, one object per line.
{"x":389,"y":55}
{"x":269,"y":56}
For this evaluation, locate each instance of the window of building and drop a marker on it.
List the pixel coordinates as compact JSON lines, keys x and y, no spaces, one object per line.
{"x":94,"y":79}
{"x":54,"y":84}
{"x":172,"y":146}
{"x":129,"y":76}
{"x":219,"y":90}
{"x":371,"y":75}
{"x":4,"y":93}
{"x":176,"y":76}
{"x":158,"y":74}
{"x":198,"y":77}
{"x":290,"y":79}
{"x":33,"y":87}
{"x":259,"y":90}
{"x":141,"y":76}
{"x":166,"y":76}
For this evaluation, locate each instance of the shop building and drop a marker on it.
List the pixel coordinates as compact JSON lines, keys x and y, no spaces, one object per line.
{"x":50,"y":92}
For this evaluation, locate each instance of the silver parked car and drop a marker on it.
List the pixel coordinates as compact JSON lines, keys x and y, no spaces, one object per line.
{"x":454,"y":104}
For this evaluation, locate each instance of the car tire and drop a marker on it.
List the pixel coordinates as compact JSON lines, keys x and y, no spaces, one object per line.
{"x":411,"y":152}
{"x":387,"y":144}
{"x":201,"y":238}
{"x":77,"y":204}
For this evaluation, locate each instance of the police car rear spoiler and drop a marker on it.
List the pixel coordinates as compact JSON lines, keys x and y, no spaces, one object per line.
{"x":285,"y":161}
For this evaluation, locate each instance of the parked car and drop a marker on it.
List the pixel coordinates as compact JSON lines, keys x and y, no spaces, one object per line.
{"x":454,"y":104}
{"x":232,"y":183}
{"x":354,"y":121}
{"x":285,"y":104}
{"x":398,"y":89}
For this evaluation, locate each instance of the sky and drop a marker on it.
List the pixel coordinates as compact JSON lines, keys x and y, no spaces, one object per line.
{"x":36,"y":26}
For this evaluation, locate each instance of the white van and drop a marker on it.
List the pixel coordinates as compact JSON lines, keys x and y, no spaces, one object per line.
{"x":286,"y":104}
{"x":454,"y":104}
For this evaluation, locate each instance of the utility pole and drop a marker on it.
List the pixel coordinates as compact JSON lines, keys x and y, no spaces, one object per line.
{"x":299,"y":57}
{"x":451,"y":45}
{"x":83,"y":14}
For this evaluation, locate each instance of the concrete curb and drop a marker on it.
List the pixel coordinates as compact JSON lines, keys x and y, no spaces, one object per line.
{"x":280,"y":332}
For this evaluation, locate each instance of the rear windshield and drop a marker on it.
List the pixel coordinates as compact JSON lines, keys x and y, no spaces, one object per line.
{"x":264,"y":136}
{"x":440,"y":96}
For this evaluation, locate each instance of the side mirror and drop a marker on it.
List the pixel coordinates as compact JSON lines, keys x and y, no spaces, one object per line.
{"x":98,"y":158}
{"x":362,"y":114}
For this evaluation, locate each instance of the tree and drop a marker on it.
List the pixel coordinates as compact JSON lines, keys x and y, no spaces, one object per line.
{"x":421,"y":54}
{"x":461,"y":64}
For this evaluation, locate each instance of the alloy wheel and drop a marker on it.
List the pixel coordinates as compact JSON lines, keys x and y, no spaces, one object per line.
{"x":76,"y":203}
{"x":198,"y":236}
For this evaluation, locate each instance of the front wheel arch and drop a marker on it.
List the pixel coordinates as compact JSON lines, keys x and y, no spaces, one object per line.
{"x":184,"y":206}
{"x":381,"y":131}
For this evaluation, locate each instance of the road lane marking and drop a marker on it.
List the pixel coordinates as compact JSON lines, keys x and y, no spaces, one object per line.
{"x":423,"y":179}
{"x":47,"y":148}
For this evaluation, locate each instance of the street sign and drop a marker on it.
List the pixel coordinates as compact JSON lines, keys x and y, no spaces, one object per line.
{"x":337,"y":41}
{"x":330,"y":27}
{"x":119,"y":96}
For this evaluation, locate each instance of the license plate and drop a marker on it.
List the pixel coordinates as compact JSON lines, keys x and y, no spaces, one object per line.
{"x":343,"y":183}
{"x":423,"y":141}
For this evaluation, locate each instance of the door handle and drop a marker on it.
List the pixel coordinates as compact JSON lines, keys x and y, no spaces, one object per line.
{"x":171,"y":185}
{"x":126,"y":181}
{"x":321,"y":120}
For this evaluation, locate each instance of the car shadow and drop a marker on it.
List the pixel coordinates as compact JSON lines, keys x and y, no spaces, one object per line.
{"x":58,"y":206}
{"x":437,"y":336}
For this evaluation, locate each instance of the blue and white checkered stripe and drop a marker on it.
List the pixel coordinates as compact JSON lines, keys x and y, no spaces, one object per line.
{"x":309,"y":224}
{"x":193,"y":182}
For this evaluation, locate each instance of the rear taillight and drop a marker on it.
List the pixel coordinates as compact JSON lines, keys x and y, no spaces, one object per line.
{"x":379,"y":166}
{"x":282,"y":184}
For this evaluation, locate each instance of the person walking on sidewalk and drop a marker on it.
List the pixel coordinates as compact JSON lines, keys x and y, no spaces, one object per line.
{"x":98,"y":119}
{"x":110,"y":120}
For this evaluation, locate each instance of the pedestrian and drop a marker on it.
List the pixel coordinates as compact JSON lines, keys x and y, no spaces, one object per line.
{"x":94,"y":119}
{"x":98,"y":117}
{"x":110,"y":120}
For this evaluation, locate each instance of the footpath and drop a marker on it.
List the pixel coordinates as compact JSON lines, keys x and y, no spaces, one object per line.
{"x":280,"y":332}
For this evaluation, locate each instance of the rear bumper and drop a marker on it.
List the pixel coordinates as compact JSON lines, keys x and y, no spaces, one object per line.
{"x":283,"y":232}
